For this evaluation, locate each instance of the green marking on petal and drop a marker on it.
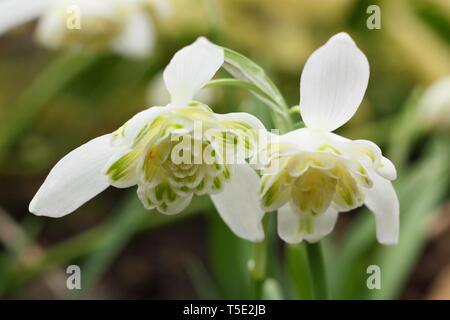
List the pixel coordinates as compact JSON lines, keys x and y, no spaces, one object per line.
{"x":226,"y":172}
{"x":171,"y":195}
{"x":237,"y":125}
{"x":124,"y":166}
{"x":159,"y":191}
{"x":307,"y":223}
{"x":217,"y":183}
{"x":269,"y":196}
{"x":142,"y":132}
{"x":201,"y":185}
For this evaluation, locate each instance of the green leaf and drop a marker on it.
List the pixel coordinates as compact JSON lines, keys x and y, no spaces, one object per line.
{"x":356,"y":253}
{"x":203,"y":283}
{"x":397,"y":262}
{"x":100,"y":237}
{"x":229,"y":260}
{"x":298,"y":271}
{"x":49,"y":83}
{"x":244,"y":69}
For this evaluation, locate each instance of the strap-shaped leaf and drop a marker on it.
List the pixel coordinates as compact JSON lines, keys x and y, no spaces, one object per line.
{"x":244,"y":69}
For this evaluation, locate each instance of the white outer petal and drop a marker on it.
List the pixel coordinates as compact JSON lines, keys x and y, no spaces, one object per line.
{"x":137,"y":38}
{"x":387,"y":169}
{"x":74,"y":180}
{"x":191,"y":68}
{"x":382,"y":200}
{"x":333,"y":83}
{"x":137,"y":122}
{"x":238,"y":204}
{"x":16,"y":12}
{"x":289,"y":225}
{"x":323,"y":225}
{"x":243,"y":117}
{"x":157,"y":94}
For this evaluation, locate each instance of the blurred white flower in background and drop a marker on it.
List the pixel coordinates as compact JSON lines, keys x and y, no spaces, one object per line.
{"x":434,"y":105}
{"x":123,"y":26}
{"x":313,"y":174}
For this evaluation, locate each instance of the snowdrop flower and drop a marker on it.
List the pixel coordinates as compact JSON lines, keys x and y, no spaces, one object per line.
{"x":123,"y":26}
{"x":313,"y":174}
{"x":143,"y":152}
{"x":435,"y":105}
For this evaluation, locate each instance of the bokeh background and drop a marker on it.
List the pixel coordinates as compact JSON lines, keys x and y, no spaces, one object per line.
{"x":53,"y":101}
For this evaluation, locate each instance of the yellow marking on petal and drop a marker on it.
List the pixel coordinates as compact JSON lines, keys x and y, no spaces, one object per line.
{"x":329,"y":146}
{"x":368,"y":152}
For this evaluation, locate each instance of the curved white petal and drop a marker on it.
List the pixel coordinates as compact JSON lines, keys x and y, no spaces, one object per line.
{"x":137,"y":38}
{"x":387,"y":169}
{"x":125,"y":136}
{"x":121,"y":168}
{"x":191,"y":68}
{"x":238,"y":204}
{"x":289,"y":224}
{"x":323,"y":225}
{"x":382,"y":200}
{"x":16,"y":12}
{"x":290,"y":228}
{"x":333,"y":83}
{"x":157,"y":94}
{"x":244,"y":117}
{"x":309,"y":140}
{"x":74,"y":180}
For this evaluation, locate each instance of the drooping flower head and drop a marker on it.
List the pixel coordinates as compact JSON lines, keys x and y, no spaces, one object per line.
{"x":313,"y":174}
{"x":171,"y":153}
{"x":124,"y":26}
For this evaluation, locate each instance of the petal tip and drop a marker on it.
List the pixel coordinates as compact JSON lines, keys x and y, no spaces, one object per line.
{"x":342,"y":37}
{"x":32,"y":208}
{"x":389,"y":242}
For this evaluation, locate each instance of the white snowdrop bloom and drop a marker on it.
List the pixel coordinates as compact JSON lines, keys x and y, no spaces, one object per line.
{"x":157,"y":94}
{"x":434,"y":105}
{"x":163,"y":152}
{"x":124,"y":26}
{"x":313,"y":174}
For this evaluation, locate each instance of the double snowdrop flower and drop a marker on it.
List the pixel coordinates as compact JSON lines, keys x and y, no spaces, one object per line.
{"x":123,"y":26}
{"x":171,"y":153}
{"x":313,"y":174}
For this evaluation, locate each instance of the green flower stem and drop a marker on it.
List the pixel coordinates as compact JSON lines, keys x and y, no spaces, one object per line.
{"x":317,"y":269}
{"x":238,"y":83}
{"x":281,"y":118}
{"x":258,"y":264}
{"x":299,"y":274}
{"x":258,"y":268}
